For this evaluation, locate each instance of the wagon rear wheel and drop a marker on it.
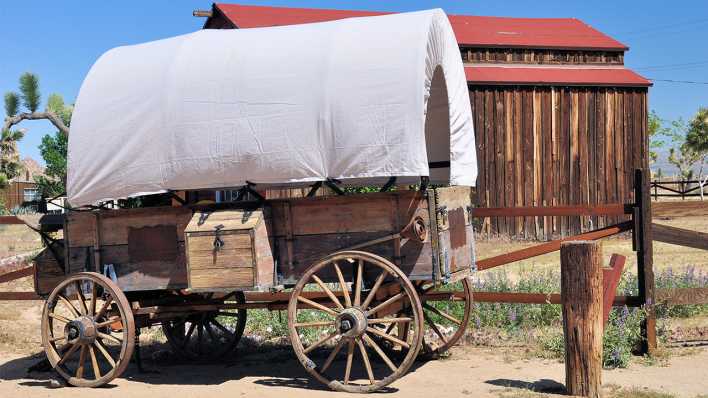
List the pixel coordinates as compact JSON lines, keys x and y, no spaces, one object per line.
{"x":334,"y":331}
{"x":209,"y":335}
{"x":88,"y":331}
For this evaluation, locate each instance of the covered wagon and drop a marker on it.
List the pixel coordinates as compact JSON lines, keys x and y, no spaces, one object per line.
{"x":369,"y":277}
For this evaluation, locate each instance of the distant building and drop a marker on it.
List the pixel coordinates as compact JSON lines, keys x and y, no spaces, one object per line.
{"x":22,"y":190}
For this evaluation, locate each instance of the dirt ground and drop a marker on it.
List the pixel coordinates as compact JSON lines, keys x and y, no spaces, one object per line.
{"x":275,"y":372}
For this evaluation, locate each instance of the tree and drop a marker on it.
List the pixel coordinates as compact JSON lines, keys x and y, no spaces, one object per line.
{"x":29,"y":93}
{"x":655,"y":129}
{"x":697,"y":141}
{"x":10,"y":166}
{"x":53,"y":147}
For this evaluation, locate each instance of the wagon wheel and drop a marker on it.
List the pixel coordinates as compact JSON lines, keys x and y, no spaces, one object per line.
{"x":446,"y":311}
{"x":209,"y":335}
{"x":88,"y":331}
{"x":446,"y":314}
{"x":344,"y":321}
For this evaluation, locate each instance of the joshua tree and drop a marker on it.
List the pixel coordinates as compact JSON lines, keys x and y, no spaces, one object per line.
{"x":24,"y":106}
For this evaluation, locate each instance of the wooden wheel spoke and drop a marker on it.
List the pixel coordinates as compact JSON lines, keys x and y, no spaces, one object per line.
{"x":81,"y":298}
{"x":386,"y":303}
{"x":314,"y":324}
{"x":381,"y":353}
{"x":376,"y":321}
{"x":94,"y":363}
{"x":343,"y":285}
{"x":442,"y":314}
{"x":82,"y":359}
{"x":350,"y":357}
{"x":105,"y":352}
{"x":372,"y":293}
{"x":388,"y":337}
{"x":108,"y":322}
{"x":328,"y":292}
{"x":227,"y":332}
{"x":104,"y":308}
{"x":94,"y":293}
{"x":332,"y":355}
{"x":68,"y":304}
{"x":58,"y":317}
{"x":200,"y":337}
{"x":434,"y":327}
{"x":321,"y":341}
{"x":189,"y":334}
{"x":55,"y":339}
{"x":109,"y":337}
{"x":359,"y":280}
{"x":68,"y":354}
{"x":208,"y":328}
{"x":367,"y":363}
{"x":316,"y":305}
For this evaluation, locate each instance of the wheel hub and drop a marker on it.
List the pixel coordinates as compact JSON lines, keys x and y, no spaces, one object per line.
{"x":81,"y":331}
{"x":351,"y":322}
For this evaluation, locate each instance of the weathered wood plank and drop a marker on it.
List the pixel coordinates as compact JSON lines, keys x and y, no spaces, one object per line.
{"x":682,"y":296}
{"x":680,"y":236}
{"x":688,"y":208}
{"x":550,"y":247}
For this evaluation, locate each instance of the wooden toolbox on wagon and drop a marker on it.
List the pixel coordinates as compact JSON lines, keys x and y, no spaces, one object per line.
{"x":229,"y":250}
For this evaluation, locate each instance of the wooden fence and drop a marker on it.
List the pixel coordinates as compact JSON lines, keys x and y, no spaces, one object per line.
{"x":676,"y":189}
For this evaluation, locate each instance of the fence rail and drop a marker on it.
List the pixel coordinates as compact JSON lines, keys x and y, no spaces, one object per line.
{"x":682,"y":189}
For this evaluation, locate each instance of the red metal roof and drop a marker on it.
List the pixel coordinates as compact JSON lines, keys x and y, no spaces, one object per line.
{"x":574,"y":76}
{"x":476,"y":31}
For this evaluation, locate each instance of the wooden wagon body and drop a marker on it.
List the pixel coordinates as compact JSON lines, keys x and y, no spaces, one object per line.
{"x":144,"y":249}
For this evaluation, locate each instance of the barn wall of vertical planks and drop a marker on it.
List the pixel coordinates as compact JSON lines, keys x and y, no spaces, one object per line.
{"x":557,"y":145}
{"x":559,"y":119}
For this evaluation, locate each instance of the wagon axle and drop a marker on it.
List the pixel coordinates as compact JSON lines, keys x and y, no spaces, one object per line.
{"x":351,"y":322}
{"x":82,"y":331}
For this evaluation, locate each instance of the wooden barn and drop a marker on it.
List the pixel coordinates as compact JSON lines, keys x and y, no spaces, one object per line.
{"x":559,"y":120}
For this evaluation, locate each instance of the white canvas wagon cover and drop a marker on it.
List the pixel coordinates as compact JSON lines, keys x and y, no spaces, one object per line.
{"x":358,"y":100}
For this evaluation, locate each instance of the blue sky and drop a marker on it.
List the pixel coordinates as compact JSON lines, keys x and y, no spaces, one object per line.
{"x":60,"y":40}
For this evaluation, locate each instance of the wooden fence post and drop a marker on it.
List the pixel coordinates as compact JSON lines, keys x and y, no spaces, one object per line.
{"x":645,"y":261}
{"x":581,"y":298}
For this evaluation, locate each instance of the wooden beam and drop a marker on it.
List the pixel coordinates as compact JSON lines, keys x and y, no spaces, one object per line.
{"x":20,"y":273}
{"x":581,"y":297}
{"x":529,"y":211}
{"x":680,"y":236}
{"x":682,"y":296}
{"x":643,"y":239}
{"x":688,"y":208}
{"x":19,"y":296}
{"x":550,"y":247}
{"x":610,"y":279}
{"x":10,"y":220}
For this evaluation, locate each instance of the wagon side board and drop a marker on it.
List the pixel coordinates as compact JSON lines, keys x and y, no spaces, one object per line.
{"x":145,"y":246}
{"x":305,"y":230}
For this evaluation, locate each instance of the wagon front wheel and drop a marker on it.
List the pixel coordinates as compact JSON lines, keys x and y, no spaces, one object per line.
{"x":334,"y":329}
{"x":88,"y":331}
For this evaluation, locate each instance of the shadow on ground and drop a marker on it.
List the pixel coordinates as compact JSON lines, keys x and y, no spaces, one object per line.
{"x":271,"y":364}
{"x":547,"y":386}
